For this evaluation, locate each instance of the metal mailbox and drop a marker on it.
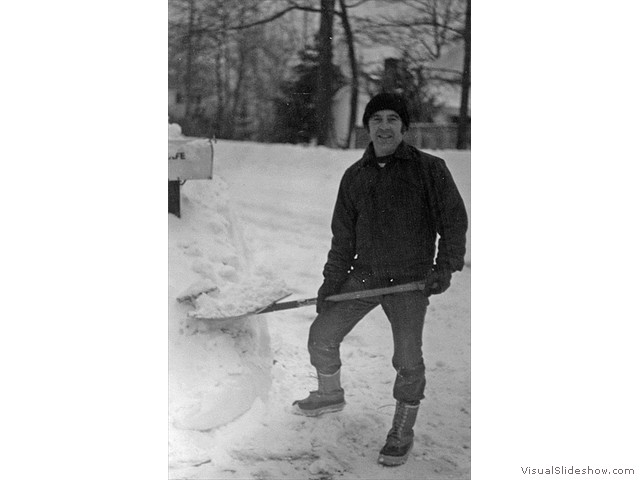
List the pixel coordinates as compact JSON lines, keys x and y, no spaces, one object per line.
{"x":190,"y":158}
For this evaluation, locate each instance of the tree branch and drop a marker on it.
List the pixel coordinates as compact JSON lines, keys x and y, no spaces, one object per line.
{"x":293,"y":6}
{"x":264,"y":20}
{"x":390,"y":23}
{"x":357,"y":4}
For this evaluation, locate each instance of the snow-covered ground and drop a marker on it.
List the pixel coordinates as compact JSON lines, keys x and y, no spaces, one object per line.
{"x":264,"y":219}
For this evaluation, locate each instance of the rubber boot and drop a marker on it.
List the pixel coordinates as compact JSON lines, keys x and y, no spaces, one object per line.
{"x":400,"y":438}
{"x":328,"y":398}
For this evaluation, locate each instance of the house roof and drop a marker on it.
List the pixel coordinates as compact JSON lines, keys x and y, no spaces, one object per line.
{"x":451,"y":60}
{"x":450,"y":65}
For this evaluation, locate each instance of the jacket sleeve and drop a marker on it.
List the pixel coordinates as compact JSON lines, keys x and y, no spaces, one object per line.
{"x":451,"y":219}
{"x":342,"y":249}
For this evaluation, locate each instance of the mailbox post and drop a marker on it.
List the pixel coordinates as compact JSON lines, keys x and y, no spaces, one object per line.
{"x":174,"y":197}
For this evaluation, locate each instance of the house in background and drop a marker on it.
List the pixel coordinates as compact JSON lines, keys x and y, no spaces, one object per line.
{"x":178,"y":105}
{"x":198,"y":125}
{"x":340,"y":111}
{"x":447,"y":69}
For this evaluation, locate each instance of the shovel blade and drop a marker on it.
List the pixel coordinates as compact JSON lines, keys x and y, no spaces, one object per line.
{"x":236,"y":315}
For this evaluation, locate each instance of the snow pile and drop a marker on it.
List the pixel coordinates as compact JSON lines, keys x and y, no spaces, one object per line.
{"x":238,"y":299}
{"x":216,"y":369}
{"x":175,"y":131}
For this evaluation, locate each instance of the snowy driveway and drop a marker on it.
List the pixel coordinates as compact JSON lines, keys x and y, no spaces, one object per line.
{"x":284,"y":198}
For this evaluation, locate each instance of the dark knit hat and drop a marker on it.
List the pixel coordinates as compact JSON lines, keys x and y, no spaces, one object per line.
{"x":386,"y":101}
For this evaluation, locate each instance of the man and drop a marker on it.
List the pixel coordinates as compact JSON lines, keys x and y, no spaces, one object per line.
{"x":391,"y":206}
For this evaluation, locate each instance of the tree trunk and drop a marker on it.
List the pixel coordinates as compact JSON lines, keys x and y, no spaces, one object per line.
{"x":354,"y":72}
{"x":324,"y":88}
{"x":190,"y":54}
{"x":463,"y":118}
{"x":237,"y":92}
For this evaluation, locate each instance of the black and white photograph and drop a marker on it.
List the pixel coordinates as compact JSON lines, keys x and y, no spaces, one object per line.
{"x":299,"y":303}
{"x":319,"y":239}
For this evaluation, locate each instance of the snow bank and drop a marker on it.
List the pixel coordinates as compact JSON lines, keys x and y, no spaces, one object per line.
{"x":216,"y":369}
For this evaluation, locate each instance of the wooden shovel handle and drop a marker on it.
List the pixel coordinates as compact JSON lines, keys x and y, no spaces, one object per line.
{"x":374,"y":292}
{"x":407,"y":287}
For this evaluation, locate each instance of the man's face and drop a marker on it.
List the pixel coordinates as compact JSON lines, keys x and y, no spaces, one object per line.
{"x":386,"y":131}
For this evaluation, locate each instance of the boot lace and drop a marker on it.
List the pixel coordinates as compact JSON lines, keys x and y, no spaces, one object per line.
{"x":399,"y":421}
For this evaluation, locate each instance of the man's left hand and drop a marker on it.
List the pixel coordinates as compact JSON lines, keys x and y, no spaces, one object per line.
{"x":440,"y":281}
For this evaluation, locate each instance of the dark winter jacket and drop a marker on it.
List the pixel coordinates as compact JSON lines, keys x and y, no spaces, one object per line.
{"x":386,"y":219}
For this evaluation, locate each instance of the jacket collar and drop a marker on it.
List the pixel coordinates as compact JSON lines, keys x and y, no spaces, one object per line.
{"x":402,"y":152}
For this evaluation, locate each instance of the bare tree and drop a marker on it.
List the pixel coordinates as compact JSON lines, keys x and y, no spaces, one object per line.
{"x":184,"y":46}
{"x":324,"y":89}
{"x":463,"y":118}
{"x":189,"y":40}
{"x":354,"y":70}
{"x":421,"y":28}
{"x":215,"y":43}
{"x":210,"y":60}
{"x":326,"y":10}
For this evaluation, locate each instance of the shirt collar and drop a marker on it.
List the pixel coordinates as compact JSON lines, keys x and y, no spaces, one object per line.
{"x":402,"y":152}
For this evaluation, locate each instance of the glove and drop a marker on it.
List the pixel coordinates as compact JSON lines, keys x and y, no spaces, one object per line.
{"x":327,"y":289}
{"x":439,"y":281}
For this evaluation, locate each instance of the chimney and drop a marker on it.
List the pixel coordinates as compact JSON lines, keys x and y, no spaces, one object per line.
{"x":390,"y":75}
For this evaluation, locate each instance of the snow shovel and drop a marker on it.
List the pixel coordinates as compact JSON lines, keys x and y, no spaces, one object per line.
{"x":277,"y":305}
{"x":340,"y":297}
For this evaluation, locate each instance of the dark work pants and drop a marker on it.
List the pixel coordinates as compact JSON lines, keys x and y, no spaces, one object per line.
{"x":405,"y":311}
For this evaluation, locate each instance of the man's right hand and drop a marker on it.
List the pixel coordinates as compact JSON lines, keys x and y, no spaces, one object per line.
{"x":327,"y":289}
